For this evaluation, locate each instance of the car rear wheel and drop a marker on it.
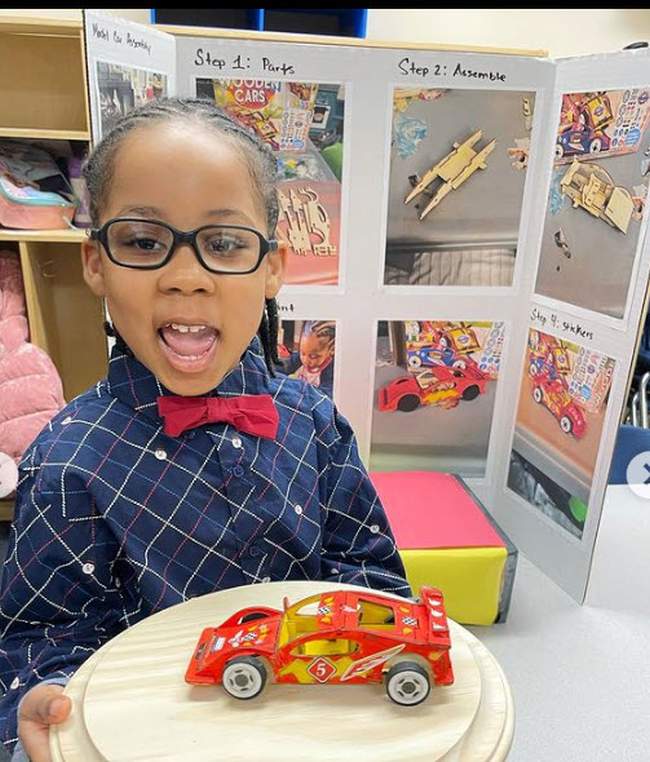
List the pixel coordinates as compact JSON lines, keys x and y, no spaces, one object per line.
{"x":559,"y":151}
{"x":595,"y":145}
{"x":566,"y":424}
{"x":408,"y":403}
{"x":407,"y":683}
{"x":471,"y":393}
{"x":415,"y":361}
{"x":537,"y":394}
{"x":244,"y":677}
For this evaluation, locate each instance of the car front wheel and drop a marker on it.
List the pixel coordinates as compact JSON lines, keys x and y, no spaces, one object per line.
{"x":407,"y":683}
{"x":244,"y":677}
{"x":566,"y":424}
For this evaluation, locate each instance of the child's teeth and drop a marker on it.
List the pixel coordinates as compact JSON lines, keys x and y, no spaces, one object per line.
{"x":187,"y":328}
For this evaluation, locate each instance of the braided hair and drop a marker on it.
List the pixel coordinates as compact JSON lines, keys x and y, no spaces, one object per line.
{"x":259,"y":159}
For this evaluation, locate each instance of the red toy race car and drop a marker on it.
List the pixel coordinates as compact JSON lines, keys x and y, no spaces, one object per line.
{"x":335,"y":637}
{"x":440,"y":385}
{"x":554,"y":395}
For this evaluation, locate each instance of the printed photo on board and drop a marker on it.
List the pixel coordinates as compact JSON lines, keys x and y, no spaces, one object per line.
{"x":457,"y":171}
{"x":562,"y":404}
{"x":596,"y":200}
{"x":121,"y":88}
{"x":306,"y":350}
{"x":434,"y":395}
{"x":303,"y":124}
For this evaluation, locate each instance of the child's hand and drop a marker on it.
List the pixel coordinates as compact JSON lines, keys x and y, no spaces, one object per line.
{"x":42,"y":706}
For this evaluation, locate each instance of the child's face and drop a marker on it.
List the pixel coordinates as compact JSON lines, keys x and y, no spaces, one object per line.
{"x":314,"y":352}
{"x":187,"y":176}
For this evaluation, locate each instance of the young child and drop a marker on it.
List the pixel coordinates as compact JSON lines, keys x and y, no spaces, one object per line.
{"x":314,"y":363}
{"x":190,"y":468}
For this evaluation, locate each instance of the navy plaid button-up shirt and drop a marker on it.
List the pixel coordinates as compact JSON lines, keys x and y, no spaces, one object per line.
{"x":115,"y":520}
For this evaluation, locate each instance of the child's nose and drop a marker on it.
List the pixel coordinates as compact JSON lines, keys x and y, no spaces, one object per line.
{"x":185,"y":274}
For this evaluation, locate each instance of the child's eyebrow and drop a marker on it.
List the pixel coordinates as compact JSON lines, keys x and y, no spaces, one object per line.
{"x":152,"y":211}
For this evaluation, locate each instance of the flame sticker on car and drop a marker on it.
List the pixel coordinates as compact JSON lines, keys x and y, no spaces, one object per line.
{"x":370,"y":662}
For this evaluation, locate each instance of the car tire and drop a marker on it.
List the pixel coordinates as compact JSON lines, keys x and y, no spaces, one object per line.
{"x":471,"y":393}
{"x":596,"y":145}
{"x":566,"y":424}
{"x":533,"y":369}
{"x":244,"y":677}
{"x":407,"y":683}
{"x":408,"y":403}
{"x":538,"y":395}
{"x":559,"y":151}
{"x":415,"y":361}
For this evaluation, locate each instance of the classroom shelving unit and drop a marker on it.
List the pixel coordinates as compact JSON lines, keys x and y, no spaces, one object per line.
{"x":45,"y":97}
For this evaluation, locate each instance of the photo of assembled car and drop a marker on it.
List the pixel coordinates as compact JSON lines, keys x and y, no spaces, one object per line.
{"x":592,"y":188}
{"x":439,"y":385}
{"x":339,"y":637}
{"x":553,"y":394}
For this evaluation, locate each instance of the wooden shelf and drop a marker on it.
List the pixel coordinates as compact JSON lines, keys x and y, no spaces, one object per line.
{"x":35,"y":134}
{"x":6,"y":510}
{"x":75,"y":235}
{"x":40,"y":25}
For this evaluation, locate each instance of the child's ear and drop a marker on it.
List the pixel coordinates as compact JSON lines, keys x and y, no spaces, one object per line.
{"x":93,"y":267}
{"x":276,"y":263}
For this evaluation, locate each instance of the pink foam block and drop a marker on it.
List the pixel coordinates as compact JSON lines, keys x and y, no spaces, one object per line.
{"x":431,"y":510}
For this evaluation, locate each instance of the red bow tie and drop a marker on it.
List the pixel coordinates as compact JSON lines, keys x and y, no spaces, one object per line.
{"x":251,"y":413}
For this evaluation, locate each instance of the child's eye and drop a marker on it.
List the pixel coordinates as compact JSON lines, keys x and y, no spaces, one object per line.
{"x":145,"y":244}
{"x":222,"y":244}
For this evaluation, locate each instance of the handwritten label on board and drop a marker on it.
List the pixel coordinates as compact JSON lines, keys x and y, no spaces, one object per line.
{"x":408,"y":65}
{"x":550,"y":320}
{"x":240,"y":62}
{"x":120,"y":37}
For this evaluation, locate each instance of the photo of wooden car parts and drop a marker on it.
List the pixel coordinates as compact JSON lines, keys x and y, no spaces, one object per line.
{"x":306,"y":217}
{"x":456,"y":167}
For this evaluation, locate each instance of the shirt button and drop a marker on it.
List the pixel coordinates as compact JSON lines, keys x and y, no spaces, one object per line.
{"x":15,"y":683}
{"x":236,"y":443}
{"x":374,"y":528}
{"x":238,"y":471}
{"x":254,"y":551}
{"x":88,"y":568}
{"x":161,"y":454}
{"x":266,"y":580}
{"x":334,"y":571}
{"x":298,"y":509}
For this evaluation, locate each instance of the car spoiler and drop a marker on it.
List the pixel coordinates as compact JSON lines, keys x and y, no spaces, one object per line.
{"x":433,"y":601}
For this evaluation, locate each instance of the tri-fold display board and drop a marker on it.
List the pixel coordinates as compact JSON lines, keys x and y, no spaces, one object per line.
{"x":467,"y":263}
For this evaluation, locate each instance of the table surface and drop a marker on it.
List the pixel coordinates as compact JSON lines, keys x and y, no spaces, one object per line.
{"x":580,"y":674}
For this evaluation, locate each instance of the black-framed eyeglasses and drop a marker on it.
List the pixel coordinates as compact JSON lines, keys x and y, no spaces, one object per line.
{"x":150,"y":244}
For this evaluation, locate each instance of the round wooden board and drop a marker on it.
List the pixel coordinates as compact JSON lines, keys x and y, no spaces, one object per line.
{"x":134,"y":685}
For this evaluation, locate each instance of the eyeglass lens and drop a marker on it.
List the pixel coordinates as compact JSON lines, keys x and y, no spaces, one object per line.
{"x":146,"y":244}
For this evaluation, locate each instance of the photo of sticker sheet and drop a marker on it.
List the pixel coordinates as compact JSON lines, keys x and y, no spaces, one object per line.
{"x":632,"y":117}
{"x":490,"y":358}
{"x":591,"y":379}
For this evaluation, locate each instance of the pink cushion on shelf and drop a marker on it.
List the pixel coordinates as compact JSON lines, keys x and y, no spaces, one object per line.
{"x":30,"y":386}
{"x":427,"y":510}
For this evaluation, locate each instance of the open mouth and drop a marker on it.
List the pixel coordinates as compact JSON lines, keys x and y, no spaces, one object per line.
{"x":188,"y":347}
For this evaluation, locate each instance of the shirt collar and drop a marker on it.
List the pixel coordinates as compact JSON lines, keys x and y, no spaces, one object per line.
{"x":135,"y":385}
